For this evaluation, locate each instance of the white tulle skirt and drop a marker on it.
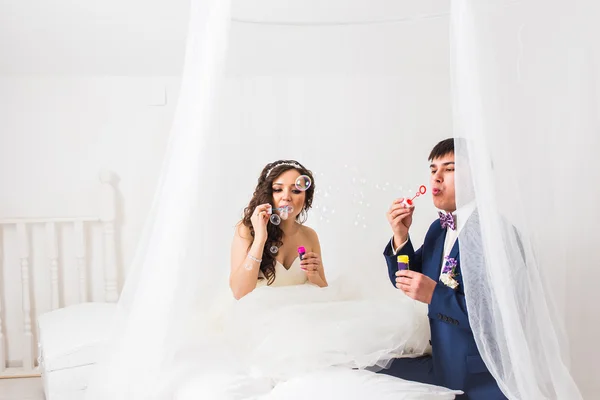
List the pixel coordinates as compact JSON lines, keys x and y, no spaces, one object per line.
{"x":298,"y":341}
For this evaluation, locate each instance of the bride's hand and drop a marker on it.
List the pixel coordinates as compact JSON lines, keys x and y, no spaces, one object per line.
{"x":260,"y":219}
{"x":311,"y":263}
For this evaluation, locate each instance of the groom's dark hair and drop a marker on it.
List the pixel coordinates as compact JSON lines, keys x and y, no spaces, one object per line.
{"x":441,"y":149}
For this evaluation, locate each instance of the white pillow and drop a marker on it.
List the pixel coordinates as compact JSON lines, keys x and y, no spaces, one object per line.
{"x":74,"y":335}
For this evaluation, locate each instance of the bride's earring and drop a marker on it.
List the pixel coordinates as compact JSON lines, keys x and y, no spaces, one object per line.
{"x":303,"y":216}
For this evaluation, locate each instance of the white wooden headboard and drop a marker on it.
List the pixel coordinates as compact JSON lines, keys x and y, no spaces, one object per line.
{"x":105,"y":218}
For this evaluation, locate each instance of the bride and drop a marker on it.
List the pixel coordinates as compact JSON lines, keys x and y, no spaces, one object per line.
{"x":264,"y":253}
{"x":289,"y":334}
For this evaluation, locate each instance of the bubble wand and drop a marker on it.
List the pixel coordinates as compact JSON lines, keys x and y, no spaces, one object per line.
{"x":409,"y":202}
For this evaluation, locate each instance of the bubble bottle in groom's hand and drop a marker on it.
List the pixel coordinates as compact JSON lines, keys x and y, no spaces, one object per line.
{"x":403,"y":263}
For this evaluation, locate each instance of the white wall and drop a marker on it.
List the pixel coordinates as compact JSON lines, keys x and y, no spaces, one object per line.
{"x":92,"y":38}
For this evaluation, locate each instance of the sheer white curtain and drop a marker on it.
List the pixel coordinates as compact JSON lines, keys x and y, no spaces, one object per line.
{"x":525,"y":94}
{"x":161,"y":290}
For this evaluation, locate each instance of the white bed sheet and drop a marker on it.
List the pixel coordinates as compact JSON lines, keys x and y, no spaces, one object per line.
{"x":71,"y":341}
{"x":75,"y":335}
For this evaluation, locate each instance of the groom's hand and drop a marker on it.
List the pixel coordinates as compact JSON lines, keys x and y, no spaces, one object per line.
{"x":399,"y":217}
{"x":416,"y":286}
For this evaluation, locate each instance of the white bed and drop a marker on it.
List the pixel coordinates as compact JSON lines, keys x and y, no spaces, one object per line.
{"x":69,"y":339}
{"x":71,"y":342}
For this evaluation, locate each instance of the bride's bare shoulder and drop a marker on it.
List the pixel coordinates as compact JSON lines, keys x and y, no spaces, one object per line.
{"x":310,"y":233}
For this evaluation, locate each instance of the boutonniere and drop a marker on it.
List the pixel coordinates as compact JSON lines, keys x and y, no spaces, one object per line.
{"x":449,"y":273}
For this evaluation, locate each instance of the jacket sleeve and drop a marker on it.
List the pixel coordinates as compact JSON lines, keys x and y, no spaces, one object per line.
{"x":414,"y":258}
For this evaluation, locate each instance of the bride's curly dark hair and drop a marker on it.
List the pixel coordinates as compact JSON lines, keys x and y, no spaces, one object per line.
{"x":263,"y":194}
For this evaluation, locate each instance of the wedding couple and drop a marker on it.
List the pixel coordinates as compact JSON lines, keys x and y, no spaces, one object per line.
{"x":289,"y":328}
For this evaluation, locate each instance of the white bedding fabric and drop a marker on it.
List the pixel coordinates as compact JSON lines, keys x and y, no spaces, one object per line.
{"x":71,"y":341}
{"x":301,"y":342}
{"x":329,"y":383}
{"x":74,"y":336}
{"x":67,"y":384}
{"x":276,"y":343}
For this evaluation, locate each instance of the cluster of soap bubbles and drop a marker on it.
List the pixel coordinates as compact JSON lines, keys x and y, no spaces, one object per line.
{"x":283,"y":214}
{"x":303,"y":183}
{"x":323,"y":201}
{"x":361,"y":199}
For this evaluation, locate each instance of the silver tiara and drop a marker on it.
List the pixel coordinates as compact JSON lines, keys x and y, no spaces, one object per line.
{"x":295,"y":165}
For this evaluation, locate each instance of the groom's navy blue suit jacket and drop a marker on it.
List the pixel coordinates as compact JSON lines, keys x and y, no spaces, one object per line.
{"x":457,"y":363}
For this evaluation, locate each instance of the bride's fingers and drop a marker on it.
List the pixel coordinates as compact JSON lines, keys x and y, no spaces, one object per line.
{"x":312,"y":261}
{"x":263,"y":215}
{"x":310,"y":255}
{"x":262,"y":207}
{"x":307,"y":264}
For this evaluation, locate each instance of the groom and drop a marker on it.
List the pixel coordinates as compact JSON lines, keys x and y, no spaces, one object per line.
{"x":434,"y":278}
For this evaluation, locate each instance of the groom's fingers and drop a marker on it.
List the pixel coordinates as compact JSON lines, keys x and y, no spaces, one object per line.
{"x":400,"y":213}
{"x":398,"y":220}
{"x":407,"y":273}
{"x":399,"y":207}
{"x":408,"y":290}
{"x":404,"y":281}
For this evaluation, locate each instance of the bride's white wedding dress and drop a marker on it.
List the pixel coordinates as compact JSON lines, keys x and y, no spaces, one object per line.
{"x":292,"y":339}
{"x":292,"y":275}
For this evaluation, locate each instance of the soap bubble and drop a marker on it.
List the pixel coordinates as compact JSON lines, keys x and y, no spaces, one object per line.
{"x":274,"y":249}
{"x":303,"y":183}
{"x":275,"y":219}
